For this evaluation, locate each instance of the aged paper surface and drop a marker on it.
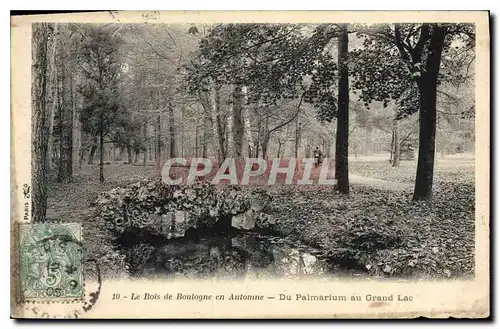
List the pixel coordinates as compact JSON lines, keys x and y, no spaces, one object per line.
{"x":181,"y":273}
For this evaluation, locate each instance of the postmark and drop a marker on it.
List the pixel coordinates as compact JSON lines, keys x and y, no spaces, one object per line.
{"x":51,"y":261}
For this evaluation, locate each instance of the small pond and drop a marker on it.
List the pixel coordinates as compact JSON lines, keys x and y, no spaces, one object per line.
{"x":231,"y":255}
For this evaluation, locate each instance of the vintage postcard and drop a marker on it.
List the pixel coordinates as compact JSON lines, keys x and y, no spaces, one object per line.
{"x":250,"y":165}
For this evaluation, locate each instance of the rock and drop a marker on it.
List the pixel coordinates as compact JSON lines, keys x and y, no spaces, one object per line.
{"x":265,"y":221}
{"x":165,"y":226}
{"x":181,"y":222}
{"x":169,"y":211}
{"x":245,"y":221}
{"x":310,"y":266}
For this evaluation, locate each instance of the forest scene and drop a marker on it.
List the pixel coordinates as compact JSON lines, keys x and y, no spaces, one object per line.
{"x":390,"y":106}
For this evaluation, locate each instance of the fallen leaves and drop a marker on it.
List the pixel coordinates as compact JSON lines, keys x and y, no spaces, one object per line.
{"x":383,"y":232}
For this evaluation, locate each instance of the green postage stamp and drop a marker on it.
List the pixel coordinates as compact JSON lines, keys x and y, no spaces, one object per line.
{"x":51,"y":261}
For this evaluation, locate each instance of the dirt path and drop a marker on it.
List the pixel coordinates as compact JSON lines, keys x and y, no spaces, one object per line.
{"x":378,"y":183}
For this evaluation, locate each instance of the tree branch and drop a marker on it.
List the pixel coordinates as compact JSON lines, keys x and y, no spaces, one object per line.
{"x":419,"y":47}
{"x":400,"y":45}
{"x":292,"y":118}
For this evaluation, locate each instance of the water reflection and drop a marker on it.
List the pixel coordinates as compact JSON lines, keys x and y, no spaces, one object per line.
{"x":245,"y":255}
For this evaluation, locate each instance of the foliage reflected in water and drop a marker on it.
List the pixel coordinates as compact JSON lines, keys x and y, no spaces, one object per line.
{"x":241,"y":255}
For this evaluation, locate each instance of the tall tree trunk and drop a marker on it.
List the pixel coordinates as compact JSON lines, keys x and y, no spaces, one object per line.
{"x":158,"y":142}
{"x":171,"y":129}
{"x":265,"y":144}
{"x":308,"y":149}
{"x":222,"y":131}
{"x":129,"y":151}
{"x":77,"y":131}
{"x":391,"y":158}
{"x":342,"y":142}
{"x":145,"y":141}
{"x":368,"y":141}
{"x":285,"y":141}
{"x":40,"y":125}
{"x":237,"y":123}
{"x":65,"y":167}
{"x":182,"y":131}
{"x":230,"y":127}
{"x":265,"y":136}
{"x":257,"y":144}
{"x":101,"y":145}
{"x":81,"y":157}
{"x":248,"y":123}
{"x":206,"y":123}
{"x":280,"y":143}
{"x":196,"y":139}
{"x":93,"y":149}
{"x":397,"y":144}
{"x":297,"y":137}
{"x":427,"y":85}
{"x":328,"y":147}
{"x":218,"y":133}
{"x":53,"y":96}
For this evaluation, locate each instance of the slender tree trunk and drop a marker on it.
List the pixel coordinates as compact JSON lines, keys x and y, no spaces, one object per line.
{"x":427,"y":117}
{"x":368,"y":141}
{"x":237,"y":123}
{"x":257,"y":144}
{"x":280,"y":142}
{"x":158,"y":142}
{"x":182,"y":131}
{"x":308,"y":149}
{"x":77,"y":131}
{"x":93,"y":149}
{"x":391,"y":158}
{"x":265,"y":136}
{"x":285,"y":141}
{"x":342,"y":140}
{"x":230,"y":127}
{"x":101,"y":145}
{"x":39,"y":142}
{"x":218,"y":134}
{"x":297,"y":137}
{"x":82,"y":157}
{"x":145,"y":141}
{"x":265,"y":143}
{"x":206,"y":128}
{"x":219,"y":131}
{"x":53,"y":96}
{"x":196,"y":140}
{"x":221,"y":137}
{"x":248,"y":123}
{"x":65,"y":168}
{"x":129,"y":151}
{"x":171,"y":129}
{"x":397,"y":144}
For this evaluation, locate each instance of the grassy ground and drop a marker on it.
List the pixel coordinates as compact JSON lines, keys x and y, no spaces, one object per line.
{"x":374,"y":230}
{"x":451,"y":168}
{"x":69,"y":201}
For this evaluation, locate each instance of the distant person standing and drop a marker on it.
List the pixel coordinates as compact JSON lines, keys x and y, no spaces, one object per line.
{"x":318,"y":155}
